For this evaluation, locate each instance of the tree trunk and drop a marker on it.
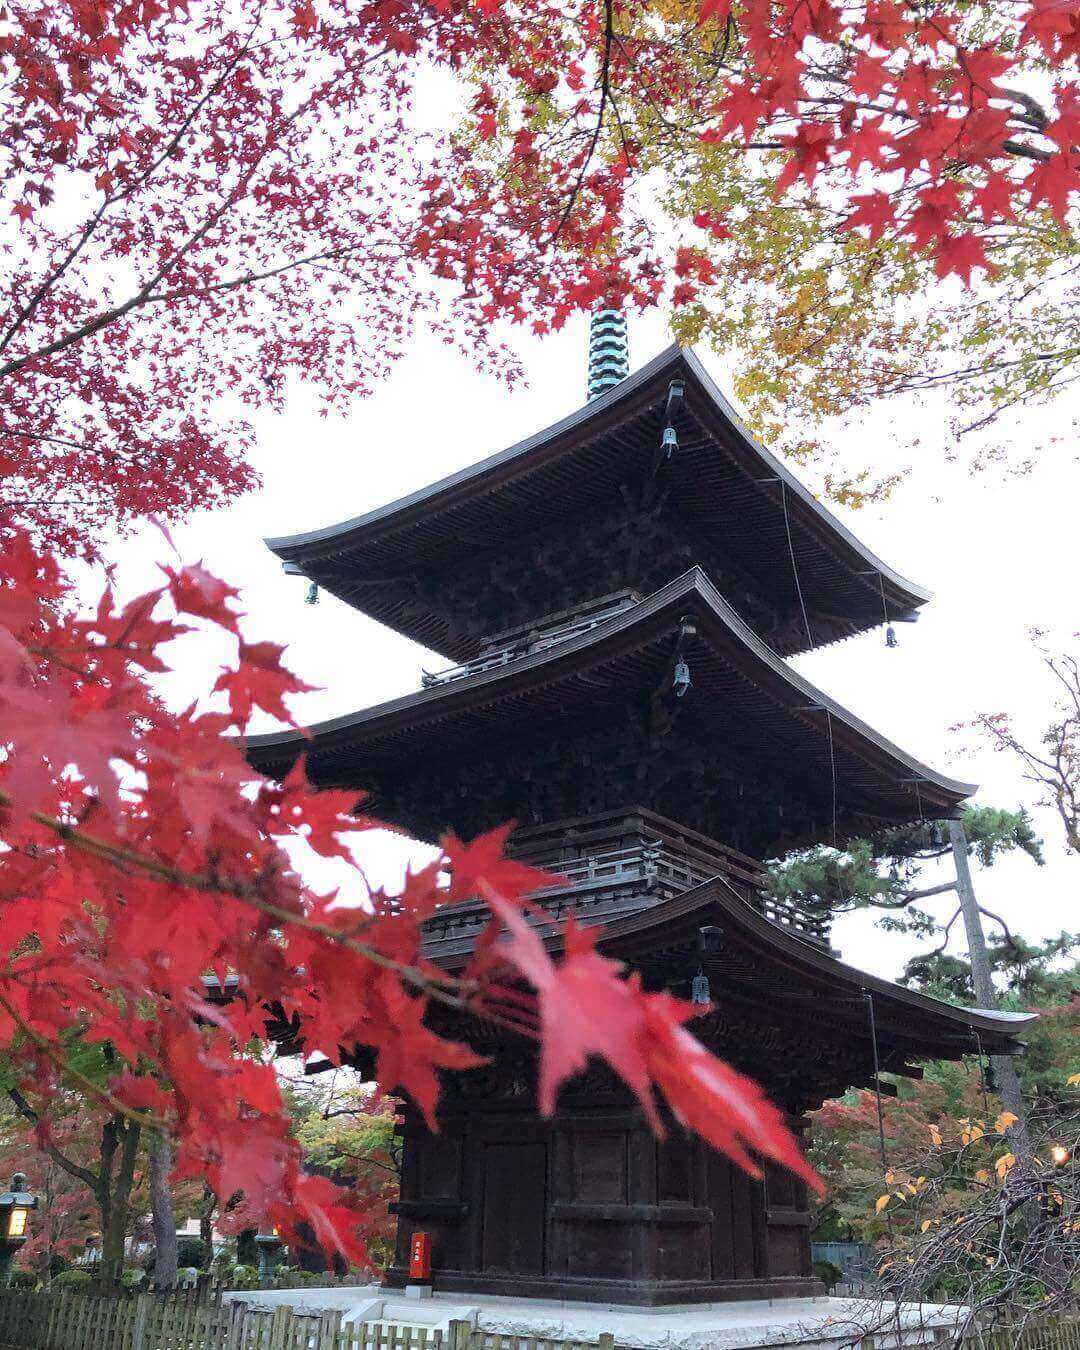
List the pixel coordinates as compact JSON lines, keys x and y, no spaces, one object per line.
{"x":115,"y":1208}
{"x":162,"y":1212}
{"x":1004,"y":1070}
{"x":1050,"y":1266}
{"x":206,"y":1221}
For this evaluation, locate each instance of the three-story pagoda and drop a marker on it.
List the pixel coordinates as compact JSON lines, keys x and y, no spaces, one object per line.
{"x":617,"y":596}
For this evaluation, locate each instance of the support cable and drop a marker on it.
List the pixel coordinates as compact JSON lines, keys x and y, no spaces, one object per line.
{"x":982,"y":1074}
{"x":890,"y":631}
{"x":877,"y":1082}
{"x":835,"y":833}
{"x":794,"y":564}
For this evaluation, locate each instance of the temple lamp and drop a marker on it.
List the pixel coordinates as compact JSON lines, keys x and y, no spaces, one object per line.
{"x":15,"y":1207}
{"x":270,"y":1246}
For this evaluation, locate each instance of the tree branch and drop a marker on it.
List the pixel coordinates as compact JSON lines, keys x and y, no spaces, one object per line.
{"x":69,"y":1165}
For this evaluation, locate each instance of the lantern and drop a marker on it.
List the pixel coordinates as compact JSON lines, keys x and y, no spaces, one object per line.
{"x":15,"y":1206}
{"x":270,"y":1247}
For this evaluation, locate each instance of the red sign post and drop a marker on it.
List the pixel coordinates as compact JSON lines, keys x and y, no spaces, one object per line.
{"x":420,"y":1257}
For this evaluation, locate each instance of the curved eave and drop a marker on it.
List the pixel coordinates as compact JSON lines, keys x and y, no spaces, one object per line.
{"x":861,"y":557}
{"x":811,"y":971}
{"x":998,"y":1027}
{"x":312,"y":552}
{"x":691,"y":593}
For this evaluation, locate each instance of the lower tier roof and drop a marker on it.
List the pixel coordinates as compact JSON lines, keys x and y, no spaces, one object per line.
{"x":806,"y":1025}
{"x":783,"y":1010}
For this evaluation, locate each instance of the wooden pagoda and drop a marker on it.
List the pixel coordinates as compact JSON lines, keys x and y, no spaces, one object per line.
{"x":617,"y":595}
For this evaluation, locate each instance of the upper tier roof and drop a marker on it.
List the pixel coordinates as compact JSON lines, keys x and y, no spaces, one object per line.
{"x":726,"y":492}
{"x":752,"y":738}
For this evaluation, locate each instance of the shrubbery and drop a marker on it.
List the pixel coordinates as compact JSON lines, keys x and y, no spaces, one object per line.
{"x":73,"y":1279}
{"x":192,"y":1251}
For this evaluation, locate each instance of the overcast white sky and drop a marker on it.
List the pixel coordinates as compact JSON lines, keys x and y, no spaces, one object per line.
{"x":1000,"y":554}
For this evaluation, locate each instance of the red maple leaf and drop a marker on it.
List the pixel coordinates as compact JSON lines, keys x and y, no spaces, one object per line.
{"x":196,"y":591}
{"x":874,"y":212}
{"x":713,"y":9}
{"x":960,"y":253}
{"x":323,"y":818}
{"x":261,"y":681}
{"x":743,"y":106}
{"x":1055,"y":182}
{"x":994,"y":199}
{"x":810,"y":146}
{"x":482,"y":864}
{"x":587,"y":1009}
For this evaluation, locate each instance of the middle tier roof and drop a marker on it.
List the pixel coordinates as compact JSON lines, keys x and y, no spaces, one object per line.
{"x":753,"y":754}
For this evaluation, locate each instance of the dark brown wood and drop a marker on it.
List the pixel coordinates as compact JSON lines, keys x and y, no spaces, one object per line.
{"x":582,"y":509}
{"x":621,"y":620}
{"x":591,"y":724}
{"x":592,"y":1206}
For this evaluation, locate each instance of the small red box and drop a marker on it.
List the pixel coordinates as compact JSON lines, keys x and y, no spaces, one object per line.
{"x":420,"y":1257}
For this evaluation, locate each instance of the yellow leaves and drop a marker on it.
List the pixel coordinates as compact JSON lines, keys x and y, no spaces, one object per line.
{"x":972,"y":1133}
{"x":935,"y":1136}
{"x":1003,"y":1164}
{"x":983,"y":1176}
{"x":1003,"y":1121}
{"x":1073,"y":1080}
{"x":881,"y":1202}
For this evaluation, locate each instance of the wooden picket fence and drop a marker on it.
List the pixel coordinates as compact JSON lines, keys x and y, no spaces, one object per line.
{"x":1057,"y":1333}
{"x":72,"y":1320}
{"x":78,"y":1321}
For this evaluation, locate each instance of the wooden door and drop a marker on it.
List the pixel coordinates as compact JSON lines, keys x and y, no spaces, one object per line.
{"x":515,"y":1208}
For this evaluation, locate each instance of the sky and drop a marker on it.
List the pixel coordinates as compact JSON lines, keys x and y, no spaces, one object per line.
{"x":998,"y":551}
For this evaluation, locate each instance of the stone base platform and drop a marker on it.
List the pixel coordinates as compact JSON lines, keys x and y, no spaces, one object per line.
{"x":808,"y":1324}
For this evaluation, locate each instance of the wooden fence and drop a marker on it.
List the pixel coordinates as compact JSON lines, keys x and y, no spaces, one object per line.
{"x":1058,"y":1333}
{"x":76,"y":1321}
{"x":185,"y":1321}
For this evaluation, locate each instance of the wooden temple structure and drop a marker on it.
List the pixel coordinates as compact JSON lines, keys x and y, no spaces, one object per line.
{"x":615,"y":598}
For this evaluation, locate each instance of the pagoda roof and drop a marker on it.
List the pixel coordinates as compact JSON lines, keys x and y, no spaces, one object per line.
{"x":723,"y":483}
{"x":771,"y":991}
{"x":759,"y":962}
{"x":749,"y":700}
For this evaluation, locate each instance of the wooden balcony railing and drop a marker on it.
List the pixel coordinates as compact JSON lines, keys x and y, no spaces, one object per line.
{"x":614,"y":864}
{"x":544,"y":633}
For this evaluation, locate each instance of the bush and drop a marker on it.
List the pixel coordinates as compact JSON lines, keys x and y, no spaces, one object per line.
{"x":131,"y":1279}
{"x":58,"y":1264}
{"x":243,"y":1277}
{"x":73,"y":1279}
{"x":828,"y":1273}
{"x":22,"y":1279}
{"x":192,"y":1251}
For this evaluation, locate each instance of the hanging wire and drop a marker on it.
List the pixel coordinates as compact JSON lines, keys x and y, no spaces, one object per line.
{"x":982,"y":1074}
{"x":890,"y":631}
{"x":794,"y":564}
{"x":835,"y":832}
{"x":877,"y":1082}
{"x":832,"y":769}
